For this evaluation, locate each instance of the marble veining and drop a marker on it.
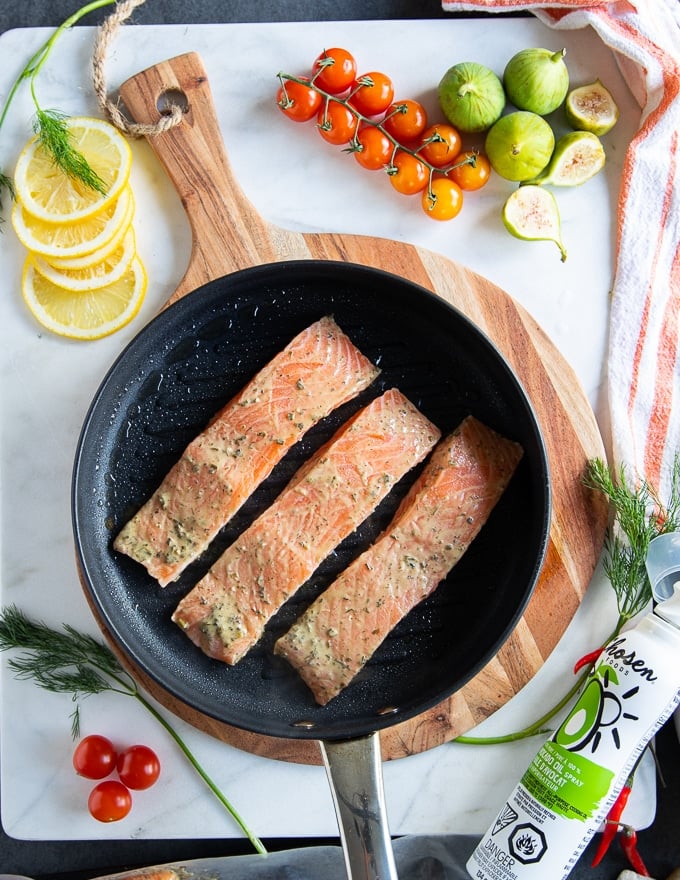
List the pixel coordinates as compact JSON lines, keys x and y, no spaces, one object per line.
{"x":297,"y":181}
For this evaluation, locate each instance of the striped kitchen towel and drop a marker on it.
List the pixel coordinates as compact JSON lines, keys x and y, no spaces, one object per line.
{"x":644,"y":354}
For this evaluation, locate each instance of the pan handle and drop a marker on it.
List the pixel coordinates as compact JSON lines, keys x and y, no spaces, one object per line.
{"x":354,"y":771}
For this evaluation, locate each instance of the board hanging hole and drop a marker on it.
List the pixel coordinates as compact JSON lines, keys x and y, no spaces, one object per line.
{"x":172,"y":98}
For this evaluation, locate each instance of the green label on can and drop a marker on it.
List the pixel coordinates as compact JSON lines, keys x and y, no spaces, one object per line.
{"x":566,"y":783}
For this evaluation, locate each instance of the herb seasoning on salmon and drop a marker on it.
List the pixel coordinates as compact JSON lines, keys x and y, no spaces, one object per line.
{"x":325,"y":501}
{"x":319,"y":370}
{"x":434,"y":525}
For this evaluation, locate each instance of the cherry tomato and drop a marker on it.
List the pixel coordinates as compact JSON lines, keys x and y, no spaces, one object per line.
{"x":441,"y":145}
{"x":372,"y":93}
{"x":298,"y":101}
{"x":138,"y":767}
{"x":94,"y":757}
{"x":109,"y":801}
{"x":410,"y":176}
{"x":334,"y":70}
{"x":443,"y":199}
{"x":336,"y":123}
{"x":376,"y":148}
{"x":405,"y":120}
{"x":471,"y":177}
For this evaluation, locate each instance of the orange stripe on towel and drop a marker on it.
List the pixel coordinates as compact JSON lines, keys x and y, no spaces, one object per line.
{"x":642,"y":337}
{"x":667,"y":359}
{"x":621,"y":7}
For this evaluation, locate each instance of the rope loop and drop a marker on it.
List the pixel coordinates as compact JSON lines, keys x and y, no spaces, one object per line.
{"x":105,"y":36}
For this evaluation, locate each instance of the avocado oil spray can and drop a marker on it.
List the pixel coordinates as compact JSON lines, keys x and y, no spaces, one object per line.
{"x":574,"y":779}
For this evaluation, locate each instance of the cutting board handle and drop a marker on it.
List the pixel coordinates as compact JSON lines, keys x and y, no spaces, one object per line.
{"x":227,"y":232}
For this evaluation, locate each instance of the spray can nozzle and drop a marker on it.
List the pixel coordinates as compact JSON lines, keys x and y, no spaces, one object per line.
{"x":663,"y":568}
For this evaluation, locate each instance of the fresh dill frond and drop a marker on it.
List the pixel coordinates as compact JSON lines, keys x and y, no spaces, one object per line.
{"x":52,"y":649}
{"x":639,"y":517}
{"x":6,"y":183}
{"x":52,"y":130}
{"x":66,"y":662}
{"x":671,"y":511}
{"x":70,"y":661}
{"x":30,"y":73}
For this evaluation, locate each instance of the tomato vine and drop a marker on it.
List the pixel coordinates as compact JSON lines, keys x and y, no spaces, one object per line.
{"x":384,"y":134}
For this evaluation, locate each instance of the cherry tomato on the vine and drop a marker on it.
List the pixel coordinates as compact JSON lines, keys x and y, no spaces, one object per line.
{"x":109,"y":801}
{"x":298,"y":101}
{"x":372,"y":93}
{"x":334,"y":70}
{"x":138,"y":767}
{"x":405,"y":120}
{"x":443,"y":199}
{"x":336,"y":123}
{"x":409,"y":175}
{"x":441,"y":145}
{"x":94,"y":757}
{"x":470,"y":176}
{"x":376,"y":148}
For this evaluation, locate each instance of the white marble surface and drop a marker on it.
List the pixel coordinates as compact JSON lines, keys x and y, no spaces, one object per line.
{"x":297,"y":181}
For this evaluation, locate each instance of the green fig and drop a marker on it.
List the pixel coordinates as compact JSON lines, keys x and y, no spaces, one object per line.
{"x":578,"y":156}
{"x":471,"y":96}
{"x":531,"y":213}
{"x":536,"y":80}
{"x":519,"y":145}
{"x":591,"y":108}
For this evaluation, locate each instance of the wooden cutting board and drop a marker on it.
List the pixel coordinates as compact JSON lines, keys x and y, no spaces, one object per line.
{"x":229,"y":234}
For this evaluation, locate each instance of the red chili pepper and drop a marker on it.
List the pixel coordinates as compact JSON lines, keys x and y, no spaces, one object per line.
{"x":629,"y":846}
{"x":661,"y":518}
{"x":612,"y":822}
{"x":587,"y":660}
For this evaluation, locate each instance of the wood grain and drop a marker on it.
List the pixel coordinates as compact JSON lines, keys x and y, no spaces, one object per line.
{"x":229,"y":234}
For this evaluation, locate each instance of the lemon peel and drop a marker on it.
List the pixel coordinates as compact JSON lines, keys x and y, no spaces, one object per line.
{"x":75,"y":240}
{"x":98,"y":274}
{"x":86,"y":315}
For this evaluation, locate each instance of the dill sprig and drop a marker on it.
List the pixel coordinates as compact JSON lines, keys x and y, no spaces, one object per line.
{"x":8,"y":184}
{"x":66,"y":156}
{"x":68,"y":661}
{"x":639,"y":516}
{"x":61,"y":662}
{"x":51,"y":127}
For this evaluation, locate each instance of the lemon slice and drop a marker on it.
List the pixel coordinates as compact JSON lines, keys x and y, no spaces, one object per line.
{"x":52,"y":196}
{"x":591,"y":108}
{"x":75,"y":240}
{"x":100,"y":274}
{"x":102,"y":253}
{"x":88,"y":315}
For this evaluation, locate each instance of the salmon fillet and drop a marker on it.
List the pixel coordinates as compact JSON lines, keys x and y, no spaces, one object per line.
{"x":319,"y":370}
{"x":329,"y":496}
{"x":434,"y":525}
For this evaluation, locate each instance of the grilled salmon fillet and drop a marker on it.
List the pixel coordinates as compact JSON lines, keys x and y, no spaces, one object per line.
{"x":319,"y":370}
{"x":329,"y":496}
{"x":434,"y":525}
